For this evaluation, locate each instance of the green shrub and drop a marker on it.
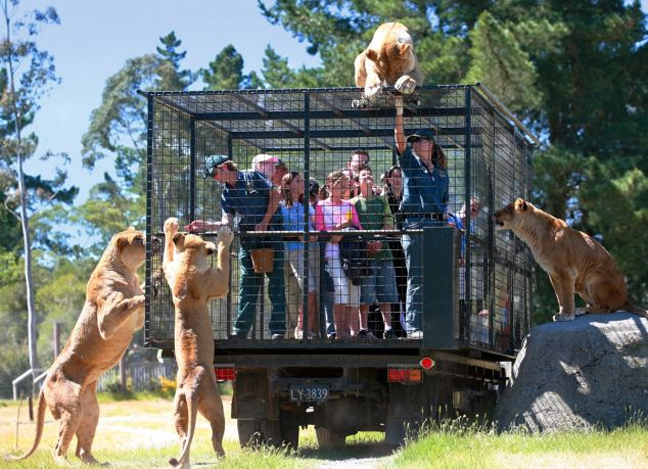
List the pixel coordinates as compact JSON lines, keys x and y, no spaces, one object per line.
{"x":113,"y":386}
{"x":14,"y":361}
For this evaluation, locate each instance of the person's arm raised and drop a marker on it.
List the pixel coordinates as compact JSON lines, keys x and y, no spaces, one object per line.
{"x":399,"y":132}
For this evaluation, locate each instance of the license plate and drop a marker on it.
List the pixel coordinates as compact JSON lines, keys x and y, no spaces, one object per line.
{"x":309,"y":392}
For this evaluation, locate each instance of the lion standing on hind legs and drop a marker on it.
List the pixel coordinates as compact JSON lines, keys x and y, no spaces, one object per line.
{"x":575,"y":262}
{"x":113,"y":311}
{"x":193,"y":283}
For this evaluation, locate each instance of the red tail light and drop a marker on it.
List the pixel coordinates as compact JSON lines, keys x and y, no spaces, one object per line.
{"x":225,"y":373}
{"x":404,"y":374}
{"x":427,"y":363}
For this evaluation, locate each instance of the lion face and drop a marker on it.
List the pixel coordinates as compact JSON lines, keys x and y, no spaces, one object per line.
{"x":130,"y":247}
{"x":194,"y":247}
{"x":505,"y":217}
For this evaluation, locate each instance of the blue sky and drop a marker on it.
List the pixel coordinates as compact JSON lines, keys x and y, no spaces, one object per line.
{"x":95,"y":38}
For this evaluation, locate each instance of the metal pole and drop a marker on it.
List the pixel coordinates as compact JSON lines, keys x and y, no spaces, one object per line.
{"x":307,"y":260}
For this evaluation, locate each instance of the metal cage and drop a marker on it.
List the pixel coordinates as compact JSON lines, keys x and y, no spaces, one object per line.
{"x":314,"y":132}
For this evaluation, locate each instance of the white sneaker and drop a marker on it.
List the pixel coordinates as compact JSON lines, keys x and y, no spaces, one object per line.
{"x":299,"y":334}
{"x":418,"y":335}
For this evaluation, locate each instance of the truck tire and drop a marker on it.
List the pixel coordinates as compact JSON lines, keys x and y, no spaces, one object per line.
{"x":272,"y":433}
{"x":327,"y":439}
{"x":289,"y":429}
{"x":249,"y":433}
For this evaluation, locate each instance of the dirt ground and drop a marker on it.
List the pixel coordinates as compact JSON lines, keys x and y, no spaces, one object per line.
{"x":149,"y":424}
{"x":134,"y":424}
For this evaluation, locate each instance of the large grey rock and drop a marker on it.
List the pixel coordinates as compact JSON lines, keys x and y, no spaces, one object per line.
{"x":579,"y":374}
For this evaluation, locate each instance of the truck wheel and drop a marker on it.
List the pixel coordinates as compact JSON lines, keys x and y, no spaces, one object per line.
{"x":249,"y":433}
{"x":271,"y":433}
{"x":327,"y":439}
{"x":289,"y":430}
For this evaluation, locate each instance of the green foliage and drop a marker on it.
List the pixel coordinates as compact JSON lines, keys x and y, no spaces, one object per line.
{"x":118,"y":130}
{"x":120,"y":121}
{"x":225,"y":72}
{"x":499,"y":62}
{"x":573,"y":71}
{"x":177,"y":79}
{"x":117,"y":392}
{"x":615,"y":209}
{"x":13,"y":362}
{"x":28,"y":73}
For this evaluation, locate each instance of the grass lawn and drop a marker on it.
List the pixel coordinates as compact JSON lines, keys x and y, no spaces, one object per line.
{"x":140,"y":434}
{"x":621,"y":448}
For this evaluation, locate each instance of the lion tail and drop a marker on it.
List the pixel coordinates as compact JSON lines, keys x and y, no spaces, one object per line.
{"x":191,"y":399}
{"x":40,"y":421}
{"x":634,"y":309}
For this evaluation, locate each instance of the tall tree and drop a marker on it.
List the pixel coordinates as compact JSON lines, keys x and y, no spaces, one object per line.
{"x":225,"y":72}
{"x":178,"y":79}
{"x":27,"y":74}
{"x":574,"y":71}
{"x":118,"y":130}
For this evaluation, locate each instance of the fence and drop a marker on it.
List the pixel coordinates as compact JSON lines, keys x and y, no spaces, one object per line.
{"x":140,"y":376}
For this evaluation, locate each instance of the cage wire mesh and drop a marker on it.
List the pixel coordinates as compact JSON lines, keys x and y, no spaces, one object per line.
{"x":314,"y":133}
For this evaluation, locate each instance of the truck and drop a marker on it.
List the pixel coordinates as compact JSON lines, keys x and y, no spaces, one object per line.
{"x":477,"y":282}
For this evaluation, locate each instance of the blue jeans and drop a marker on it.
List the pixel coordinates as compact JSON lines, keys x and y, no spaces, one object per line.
{"x":413,"y":248}
{"x":249,"y":287}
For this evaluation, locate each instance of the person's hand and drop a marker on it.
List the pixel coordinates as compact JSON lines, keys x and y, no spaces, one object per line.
{"x":263,"y":226}
{"x":196,"y":225}
{"x":202,"y":225}
{"x":343,"y":225}
{"x":373,"y":248}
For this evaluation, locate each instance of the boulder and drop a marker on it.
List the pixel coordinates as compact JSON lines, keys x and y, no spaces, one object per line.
{"x":579,"y":375}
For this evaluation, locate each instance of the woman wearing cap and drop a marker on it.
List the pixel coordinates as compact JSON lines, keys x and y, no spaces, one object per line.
{"x":424,"y":204}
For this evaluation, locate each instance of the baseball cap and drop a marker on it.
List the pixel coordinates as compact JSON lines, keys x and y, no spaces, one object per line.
{"x":427,"y":134}
{"x":212,"y":161}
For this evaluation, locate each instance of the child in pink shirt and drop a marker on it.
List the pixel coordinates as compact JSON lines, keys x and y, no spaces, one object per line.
{"x":334,"y":214}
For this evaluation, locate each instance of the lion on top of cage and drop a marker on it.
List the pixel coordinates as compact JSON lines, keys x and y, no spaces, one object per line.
{"x":575,"y":262}
{"x":193,"y":283}
{"x":389,"y":60}
{"x":113,"y":311}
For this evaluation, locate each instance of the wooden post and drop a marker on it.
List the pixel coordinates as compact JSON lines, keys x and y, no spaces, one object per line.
{"x":122,"y":375}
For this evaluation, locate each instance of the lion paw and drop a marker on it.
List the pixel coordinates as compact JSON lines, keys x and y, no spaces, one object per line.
{"x":225,"y":235}
{"x":563,"y":317}
{"x":405,"y":84}
{"x":359,"y":103}
{"x":171,"y":226}
{"x":373,"y":91}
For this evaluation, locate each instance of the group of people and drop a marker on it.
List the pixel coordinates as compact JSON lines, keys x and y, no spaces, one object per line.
{"x":269,"y":197}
